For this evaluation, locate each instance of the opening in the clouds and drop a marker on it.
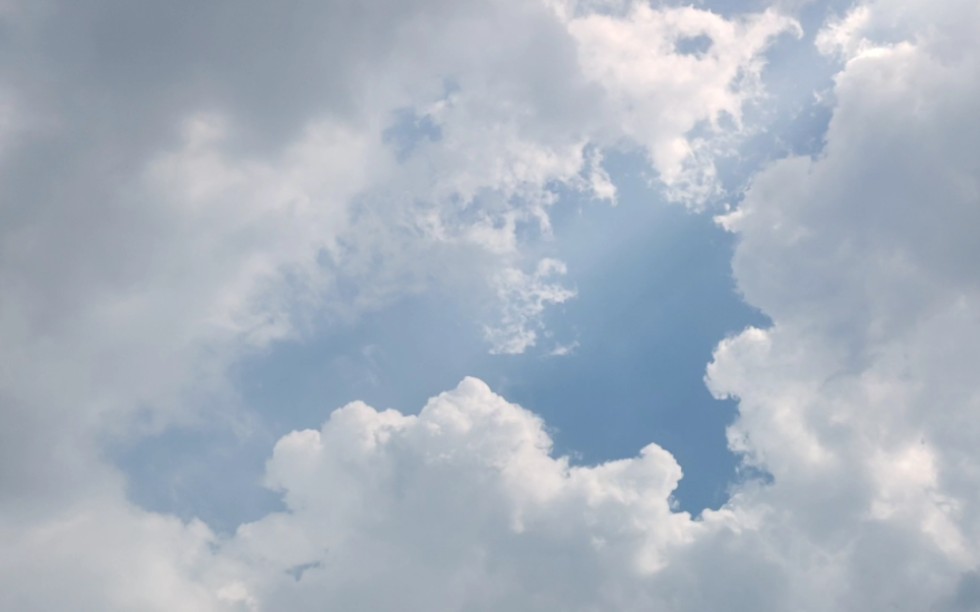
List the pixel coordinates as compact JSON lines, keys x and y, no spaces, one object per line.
{"x":381,"y":305}
{"x":408,"y":129}
{"x":694,"y":45}
{"x":654,"y":297}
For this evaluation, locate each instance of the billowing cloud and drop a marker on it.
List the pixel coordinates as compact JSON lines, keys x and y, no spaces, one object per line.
{"x":185,"y":185}
{"x":460,"y":507}
{"x":104,"y":554}
{"x":860,"y":400}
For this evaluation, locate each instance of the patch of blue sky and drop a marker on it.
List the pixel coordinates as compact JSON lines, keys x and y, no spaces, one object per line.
{"x":407,"y":130}
{"x":694,"y":45}
{"x":655,"y":295}
{"x":810,"y":13}
{"x":212,"y":472}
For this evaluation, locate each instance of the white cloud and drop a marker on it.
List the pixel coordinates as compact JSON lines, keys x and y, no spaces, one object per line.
{"x":525,"y":297}
{"x":184,"y":184}
{"x":657,"y":94}
{"x":461,"y":507}
{"x":184,"y":190}
{"x":171,"y":206}
{"x":105,"y":556}
{"x":858,"y":400}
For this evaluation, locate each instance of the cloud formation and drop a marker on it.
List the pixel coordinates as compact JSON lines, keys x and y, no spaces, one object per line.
{"x":185,"y":185}
{"x":859,"y":400}
{"x":383,"y":507}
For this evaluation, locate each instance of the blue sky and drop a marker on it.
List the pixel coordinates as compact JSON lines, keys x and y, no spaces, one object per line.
{"x":489,"y":305}
{"x":655,"y":295}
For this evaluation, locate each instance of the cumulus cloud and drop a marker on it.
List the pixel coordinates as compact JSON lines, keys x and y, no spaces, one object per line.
{"x":641,"y":61}
{"x":185,"y":185}
{"x":858,"y":400}
{"x":104,"y":554}
{"x":460,"y":507}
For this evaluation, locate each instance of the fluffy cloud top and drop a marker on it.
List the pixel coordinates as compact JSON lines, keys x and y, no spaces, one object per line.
{"x":466,"y":508}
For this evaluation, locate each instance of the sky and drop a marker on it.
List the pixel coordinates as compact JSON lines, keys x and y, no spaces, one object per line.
{"x":499,"y":305}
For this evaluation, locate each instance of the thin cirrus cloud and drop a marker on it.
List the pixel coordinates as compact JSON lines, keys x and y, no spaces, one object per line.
{"x":185,"y":186}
